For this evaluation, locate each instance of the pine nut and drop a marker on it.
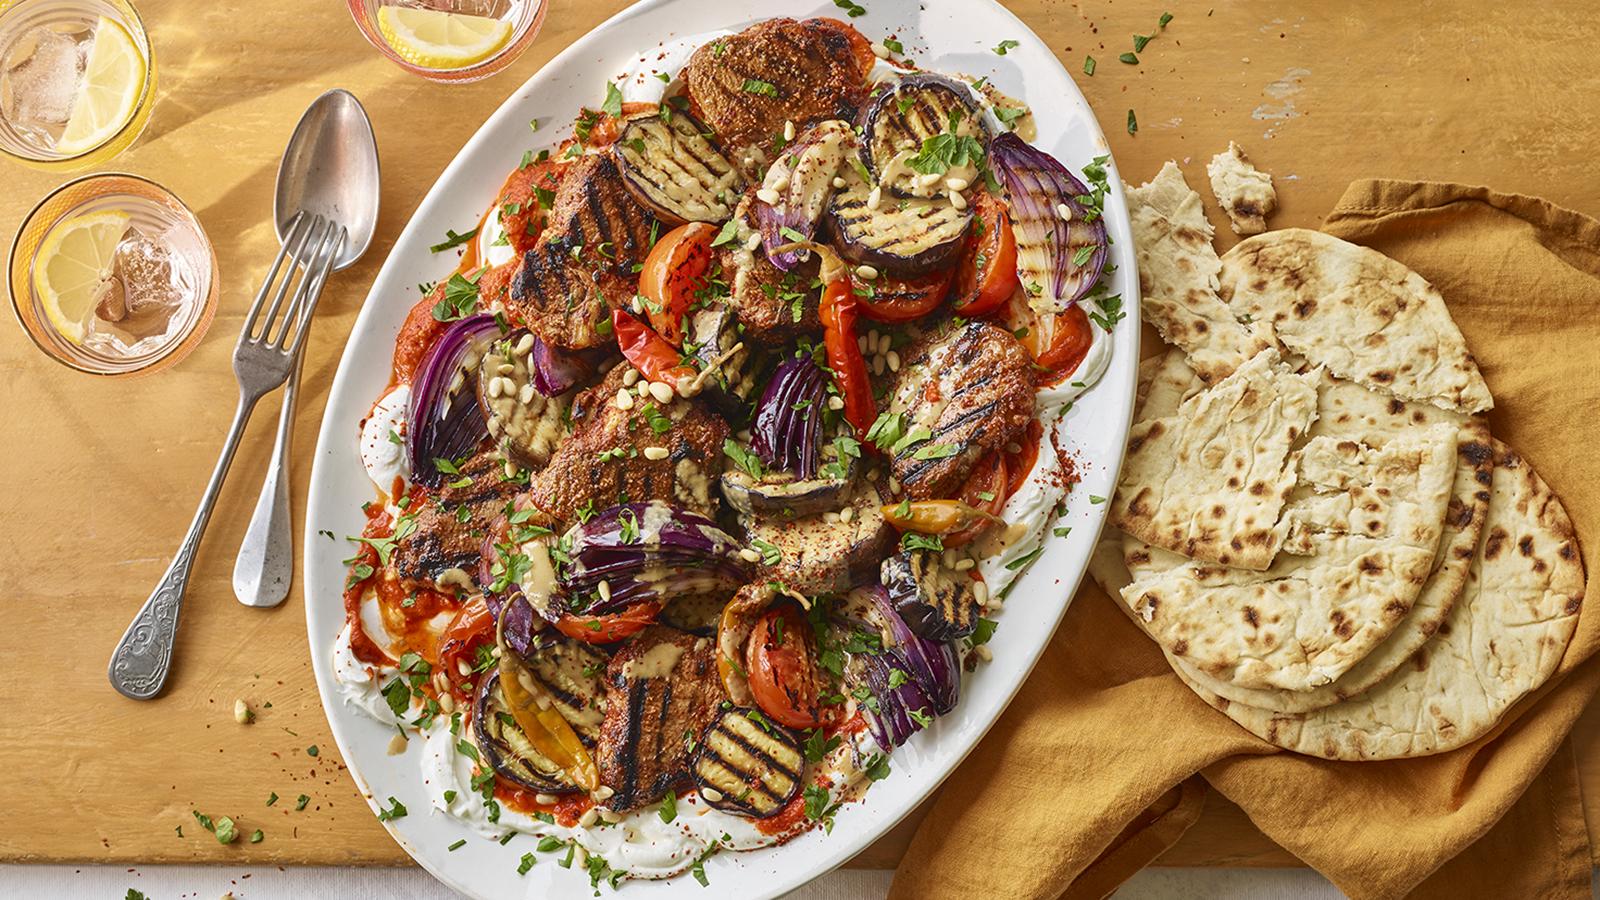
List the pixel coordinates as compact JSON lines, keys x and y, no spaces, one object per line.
{"x":867,"y":272}
{"x":767,"y":196}
{"x":610,"y":816}
{"x":839,"y":182}
{"x":1013,"y":447}
{"x":885,"y":342}
{"x":958,"y":201}
{"x":874,"y":197}
{"x":846,"y":514}
{"x":242,"y":713}
{"x":877,"y":365}
{"x":657,"y":453}
{"x":1064,"y":211}
{"x":836,"y":403}
{"x":589,"y":817}
{"x":524,"y":345}
{"x":604,"y":587}
{"x":781,"y":185}
{"x":603,"y":792}
{"x":546,"y":799}
{"x":525,"y":396}
{"x":712,"y":794}
{"x":862,"y":343}
{"x":580,"y":856}
{"x":788,"y":130}
{"x":872,"y":340}
{"x":983,"y":653}
{"x":980,"y":592}
{"x":624,"y":399}
{"x":893,"y":359}
{"x":964,"y":564}
{"x":504,"y":369}
{"x":661,"y":391}
{"x":463,"y":668}
{"x":879,"y":50}
{"x":956,"y":184}
{"x":750,"y":555}
{"x":447,"y":702}
{"x":456,"y":382}
{"x":630,"y":377}
{"x":832,"y":518}
{"x":397,"y":746}
{"x":753,"y":241}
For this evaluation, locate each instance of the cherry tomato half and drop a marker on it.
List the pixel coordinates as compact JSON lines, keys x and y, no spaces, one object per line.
{"x":896,"y":300}
{"x":987,"y":275}
{"x":674,"y":271}
{"x":781,"y":660}
{"x":1066,"y":344}
{"x":609,"y":629}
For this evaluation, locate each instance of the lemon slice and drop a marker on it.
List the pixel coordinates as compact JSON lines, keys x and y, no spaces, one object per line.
{"x":73,"y":261}
{"x":113,"y":81}
{"x":431,"y":39}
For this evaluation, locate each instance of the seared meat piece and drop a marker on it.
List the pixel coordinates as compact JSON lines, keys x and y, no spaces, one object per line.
{"x":583,"y":263}
{"x":747,"y":85}
{"x":445,"y":538}
{"x":765,"y":298}
{"x":662,"y":690}
{"x":607,"y":460}
{"x":960,"y":394}
{"x":818,"y":556}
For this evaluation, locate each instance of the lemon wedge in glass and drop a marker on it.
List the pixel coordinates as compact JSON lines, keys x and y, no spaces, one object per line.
{"x":73,"y":261}
{"x":431,"y":39}
{"x":113,"y":83}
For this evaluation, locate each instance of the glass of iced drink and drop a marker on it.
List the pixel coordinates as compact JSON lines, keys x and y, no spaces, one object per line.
{"x":113,"y":275}
{"x":77,"y":81}
{"x":450,"y":41}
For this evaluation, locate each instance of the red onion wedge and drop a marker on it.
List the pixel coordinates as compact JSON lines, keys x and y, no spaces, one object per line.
{"x":646,"y":551}
{"x":444,"y":420}
{"x":796,"y":190}
{"x":1058,"y":259}
{"x":789,"y":418}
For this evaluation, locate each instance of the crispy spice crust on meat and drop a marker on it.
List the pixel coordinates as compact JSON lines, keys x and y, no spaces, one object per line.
{"x":973,"y":388}
{"x":652,"y":718}
{"x":578,"y":475}
{"x":442,"y":540}
{"x":817,"y":69}
{"x":583,"y":264}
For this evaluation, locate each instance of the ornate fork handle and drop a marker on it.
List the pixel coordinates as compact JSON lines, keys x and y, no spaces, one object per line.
{"x":143,"y":657}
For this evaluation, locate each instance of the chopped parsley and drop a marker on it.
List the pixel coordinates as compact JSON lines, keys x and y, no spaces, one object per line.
{"x":300,"y":802}
{"x":1139,"y":40}
{"x":936,"y":451}
{"x":1006,"y":46}
{"x":914,"y":541}
{"x":226,"y":833}
{"x":613,"y":103}
{"x":729,"y":232}
{"x":272,"y":799}
{"x":1129,"y":58}
{"x":853,"y":10}
{"x":942,"y":152}
{"x":771,"y":554}
{"x":525,"y":864}
{"x":894,"y":46}
{"x":757,"y":86}
{"x":744,"y":459}
{"x":457,"y":845}
{"x":451,"y":239}
{"x":1165,"y":18}
{"x":1024,"y":559}
{"x":816,"y":801}
{"x":669,"y":807}
{"x":1088,"y":65}
{"x":1133,"y":123}
{"x":460,"y":299}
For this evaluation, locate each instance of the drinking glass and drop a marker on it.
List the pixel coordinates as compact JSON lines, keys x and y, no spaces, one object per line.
{"x":525,"y":16}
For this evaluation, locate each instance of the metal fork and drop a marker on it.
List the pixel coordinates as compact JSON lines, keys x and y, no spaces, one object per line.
{"x":262,"y":360}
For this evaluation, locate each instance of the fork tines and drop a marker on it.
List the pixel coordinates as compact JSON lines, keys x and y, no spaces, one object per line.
{"x":310,"y":247}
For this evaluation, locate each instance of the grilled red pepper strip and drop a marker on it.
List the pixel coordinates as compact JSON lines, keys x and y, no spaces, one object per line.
{"x":649,"y":352}
{"x":838,"y":312}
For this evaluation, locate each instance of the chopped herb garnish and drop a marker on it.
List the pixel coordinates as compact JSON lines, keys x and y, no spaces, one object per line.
{"x":1133,"y":123}
{"x":300,"y":802}
{"x":1139,"y":40}
{"x":526,"y":864}
{"x":894,"y":46}
{"x":451,"y":239}
{"x":816,"y":801}
{"x":1129,"y":58}
{"x":272,"y":799}
{"x":1004,"y":47}
{"x":853,"y":10}
{"x":745,"y":459}
{"x":1024,"y":559}
{"x":256,"y":836}
{"x":757,"y":86}
{"x":669,"y":807}
{"x":914,"y":541}
{"x":613,"y":102}
{"x":1088,"y":65}
{"x":225,"y":831}
{"x":457,"y":845}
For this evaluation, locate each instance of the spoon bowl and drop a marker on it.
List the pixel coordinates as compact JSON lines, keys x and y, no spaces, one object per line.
{"x":330,"y":168}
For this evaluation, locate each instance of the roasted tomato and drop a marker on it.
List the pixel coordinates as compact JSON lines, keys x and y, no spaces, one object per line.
{"x":649,"y":352}
{"x":895,"y":300}
{"x":781,"y":660}
{"x":1066,"y":344}
{"x":674,"y":272}
{"x":471,"y":628}
{"x":609,"y":629}
{"x":987,"y":274}
{"x":986,"y":489}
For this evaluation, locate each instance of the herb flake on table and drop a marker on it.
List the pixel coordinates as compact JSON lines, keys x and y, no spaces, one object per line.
{"x":1129,"y":58}
{"x":1088,"y":65}
{"x":1133,"y":123}
{"x":300,"y":802}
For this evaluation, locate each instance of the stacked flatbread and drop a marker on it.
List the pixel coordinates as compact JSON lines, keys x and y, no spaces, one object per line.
{"x":1313,"y":521}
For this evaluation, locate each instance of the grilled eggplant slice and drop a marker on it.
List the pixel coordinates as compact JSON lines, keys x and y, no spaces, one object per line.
{"x":673,"y":167}
{"x":899,"y":236}
{"x":573,"y":673}
{"x":739,"y":369}
{"x":908,"y":112}
{"x":799,"y":185}
{"x":771,"y":496}
{"x":506,"y":748}
{"x":813,"y":555}
{"x":748,"y":766}
{"x":525,"y":424}
{"x":935,"y":602}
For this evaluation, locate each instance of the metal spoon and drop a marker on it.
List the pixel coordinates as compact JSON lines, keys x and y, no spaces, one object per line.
{"x":330,"y":168}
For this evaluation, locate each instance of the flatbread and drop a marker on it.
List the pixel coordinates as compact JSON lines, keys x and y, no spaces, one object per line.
{"x":1364,"y":316}
{"x":1178,"y":277}
{"x":1244,"y":192}
{"x":1210,"y":480}
{"x":1503,"y":639}
{"x":1367,"y":522}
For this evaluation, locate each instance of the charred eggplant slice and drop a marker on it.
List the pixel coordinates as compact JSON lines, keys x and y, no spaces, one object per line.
{"x":574,"y":675}
{"x":739,"y":371}
{"x":671,"y":166}
{"x":935,"y":602}
{"x":904,"y":115}
{"x":901,"y":236}
{"x":506,"y":748}
{"x":748,"y":765}
{"x":525,"y":424}
{"x":768,"y":497}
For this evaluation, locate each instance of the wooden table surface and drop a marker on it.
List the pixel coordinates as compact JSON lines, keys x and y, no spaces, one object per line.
{"x":103,"y":474}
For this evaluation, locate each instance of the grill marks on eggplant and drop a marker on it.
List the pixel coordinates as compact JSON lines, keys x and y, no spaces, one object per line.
{"x":902,"y":116}
{"x":584,"y":261}
{"x":603,"y":464}
{"x":816,"y":556}
{"x":972,"y":389}
{"x":904,"y":236}
{"x":754,"y":766}
{"x":662,"y":690}
{"x":445,"y":537}
{"x":671,"y":166}
{"x":505,"y":746}
{"x":815,"y":68}
{"x":935,"y":602}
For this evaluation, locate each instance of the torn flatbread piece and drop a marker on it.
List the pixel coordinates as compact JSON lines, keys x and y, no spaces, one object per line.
{"x":1501,"y":641}
{"x":1314,"y":614}
{"x":1364,"y":316}
{"x":1209,"y":481}
{"x":1244,"y":192}
{"x":1178,"y":270}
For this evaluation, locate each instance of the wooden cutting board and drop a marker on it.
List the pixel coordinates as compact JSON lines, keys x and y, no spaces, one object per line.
{"x":101,"y":476}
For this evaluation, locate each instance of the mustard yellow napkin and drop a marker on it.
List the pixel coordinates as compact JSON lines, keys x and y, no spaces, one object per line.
{"x":1087,"y":777}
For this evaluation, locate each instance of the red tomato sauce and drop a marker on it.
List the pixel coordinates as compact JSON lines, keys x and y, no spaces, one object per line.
{"x":567,"y":809}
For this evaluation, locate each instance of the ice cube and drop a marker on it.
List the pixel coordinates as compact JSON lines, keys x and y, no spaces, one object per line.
{"x":151,"y":288}
{"x":43,"y":75}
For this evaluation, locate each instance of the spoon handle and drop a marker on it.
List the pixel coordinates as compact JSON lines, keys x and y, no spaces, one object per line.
{"x":264,"y":568}
{"x":143,"y":657}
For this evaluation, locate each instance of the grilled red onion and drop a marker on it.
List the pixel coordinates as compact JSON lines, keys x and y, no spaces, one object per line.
{"x":555,"y":369}
{"x":789,"y":418}
{"x":446,"y":424}
{"x":930,"y":680}
{"x":646,"y":551}
{"x":1049,"y":248}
